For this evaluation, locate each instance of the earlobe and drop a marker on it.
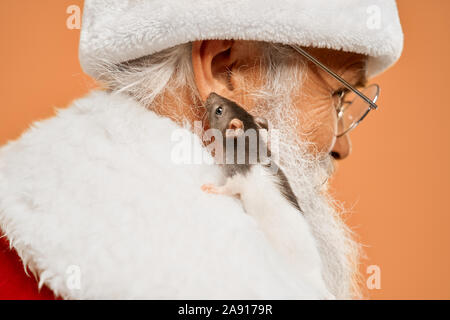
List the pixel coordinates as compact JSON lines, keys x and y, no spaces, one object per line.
{"x":211,"y":60}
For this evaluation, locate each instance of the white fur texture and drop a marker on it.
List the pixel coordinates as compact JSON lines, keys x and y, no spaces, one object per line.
{"x":286,"y":228}
{"x":121,"y":30}
{"x":95,"y":187}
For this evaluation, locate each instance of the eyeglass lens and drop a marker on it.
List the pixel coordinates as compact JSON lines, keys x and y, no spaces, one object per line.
{"x":353,"y":108}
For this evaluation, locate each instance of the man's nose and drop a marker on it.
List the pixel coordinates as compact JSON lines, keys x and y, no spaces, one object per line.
{"x":342,"y":147}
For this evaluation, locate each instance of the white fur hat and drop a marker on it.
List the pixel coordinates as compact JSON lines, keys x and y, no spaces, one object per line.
{"x":121,"y":30}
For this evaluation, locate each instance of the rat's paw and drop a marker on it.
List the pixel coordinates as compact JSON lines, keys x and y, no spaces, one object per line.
{"x":210,"y":188}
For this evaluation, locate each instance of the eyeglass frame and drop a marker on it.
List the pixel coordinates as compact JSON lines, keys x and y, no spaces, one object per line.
{"x":371,"y":103}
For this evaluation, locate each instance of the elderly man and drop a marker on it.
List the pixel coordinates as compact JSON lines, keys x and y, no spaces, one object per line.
{"x":92,"y":199}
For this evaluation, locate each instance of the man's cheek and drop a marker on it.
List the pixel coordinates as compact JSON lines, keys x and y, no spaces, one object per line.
{"x":318,"y":126}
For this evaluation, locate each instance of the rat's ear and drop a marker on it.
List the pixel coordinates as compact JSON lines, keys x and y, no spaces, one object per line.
{"x":262,"y":123}
{"x":236,"y":124}
{"x":235,"y":128}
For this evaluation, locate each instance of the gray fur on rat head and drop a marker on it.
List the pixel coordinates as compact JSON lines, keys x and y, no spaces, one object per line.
{"x":229,"y":110}
{"x":239,"y":130}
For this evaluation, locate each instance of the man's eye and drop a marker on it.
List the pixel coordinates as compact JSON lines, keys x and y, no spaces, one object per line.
{"x":219,"y":111}
{"x":338,"y":97}
{"x":340,"y":93}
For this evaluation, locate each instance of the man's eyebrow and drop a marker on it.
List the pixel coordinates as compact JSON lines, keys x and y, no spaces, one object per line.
{"x":354,"y":74}
{"x":358,"y":81}
{"x":359,"y":77}
{"x":361,"y":81}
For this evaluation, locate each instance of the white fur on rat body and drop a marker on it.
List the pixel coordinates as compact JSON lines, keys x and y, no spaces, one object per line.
{"x":285,"y":227}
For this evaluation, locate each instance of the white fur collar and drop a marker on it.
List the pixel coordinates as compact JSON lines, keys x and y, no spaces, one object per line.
{"x":93,"y":192}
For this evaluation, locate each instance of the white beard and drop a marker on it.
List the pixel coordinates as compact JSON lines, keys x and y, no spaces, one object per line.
{"x":308,"y":176}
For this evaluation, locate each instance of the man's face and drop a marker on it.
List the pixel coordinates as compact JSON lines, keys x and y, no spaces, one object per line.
{"x":319,"y":97}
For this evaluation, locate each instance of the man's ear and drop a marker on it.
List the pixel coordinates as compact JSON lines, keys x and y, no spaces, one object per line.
{"x":211,"y":63}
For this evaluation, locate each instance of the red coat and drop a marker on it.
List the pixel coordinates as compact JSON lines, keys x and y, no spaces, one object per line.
{"x":14,"y":283}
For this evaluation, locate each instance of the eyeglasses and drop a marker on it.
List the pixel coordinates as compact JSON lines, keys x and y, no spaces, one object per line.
{"x":353,"y":107}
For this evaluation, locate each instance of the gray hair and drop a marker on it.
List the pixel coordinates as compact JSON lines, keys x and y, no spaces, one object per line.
{"x":161,"y":74}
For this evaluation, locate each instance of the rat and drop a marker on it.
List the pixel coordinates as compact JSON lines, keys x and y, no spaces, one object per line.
{"x":232,"y":121}
{"x":263,"y":189}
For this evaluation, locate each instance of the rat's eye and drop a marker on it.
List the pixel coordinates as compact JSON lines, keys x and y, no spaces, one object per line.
{"x":219,"y":111}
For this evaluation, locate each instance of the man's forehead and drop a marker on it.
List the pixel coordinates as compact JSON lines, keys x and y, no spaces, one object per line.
{"x":349,"y":65}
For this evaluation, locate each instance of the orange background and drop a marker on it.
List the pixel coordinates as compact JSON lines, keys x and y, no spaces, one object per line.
{"x":396,"y":181}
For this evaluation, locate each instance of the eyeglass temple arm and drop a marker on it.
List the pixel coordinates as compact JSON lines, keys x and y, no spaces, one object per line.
{"x":334,"y":75}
